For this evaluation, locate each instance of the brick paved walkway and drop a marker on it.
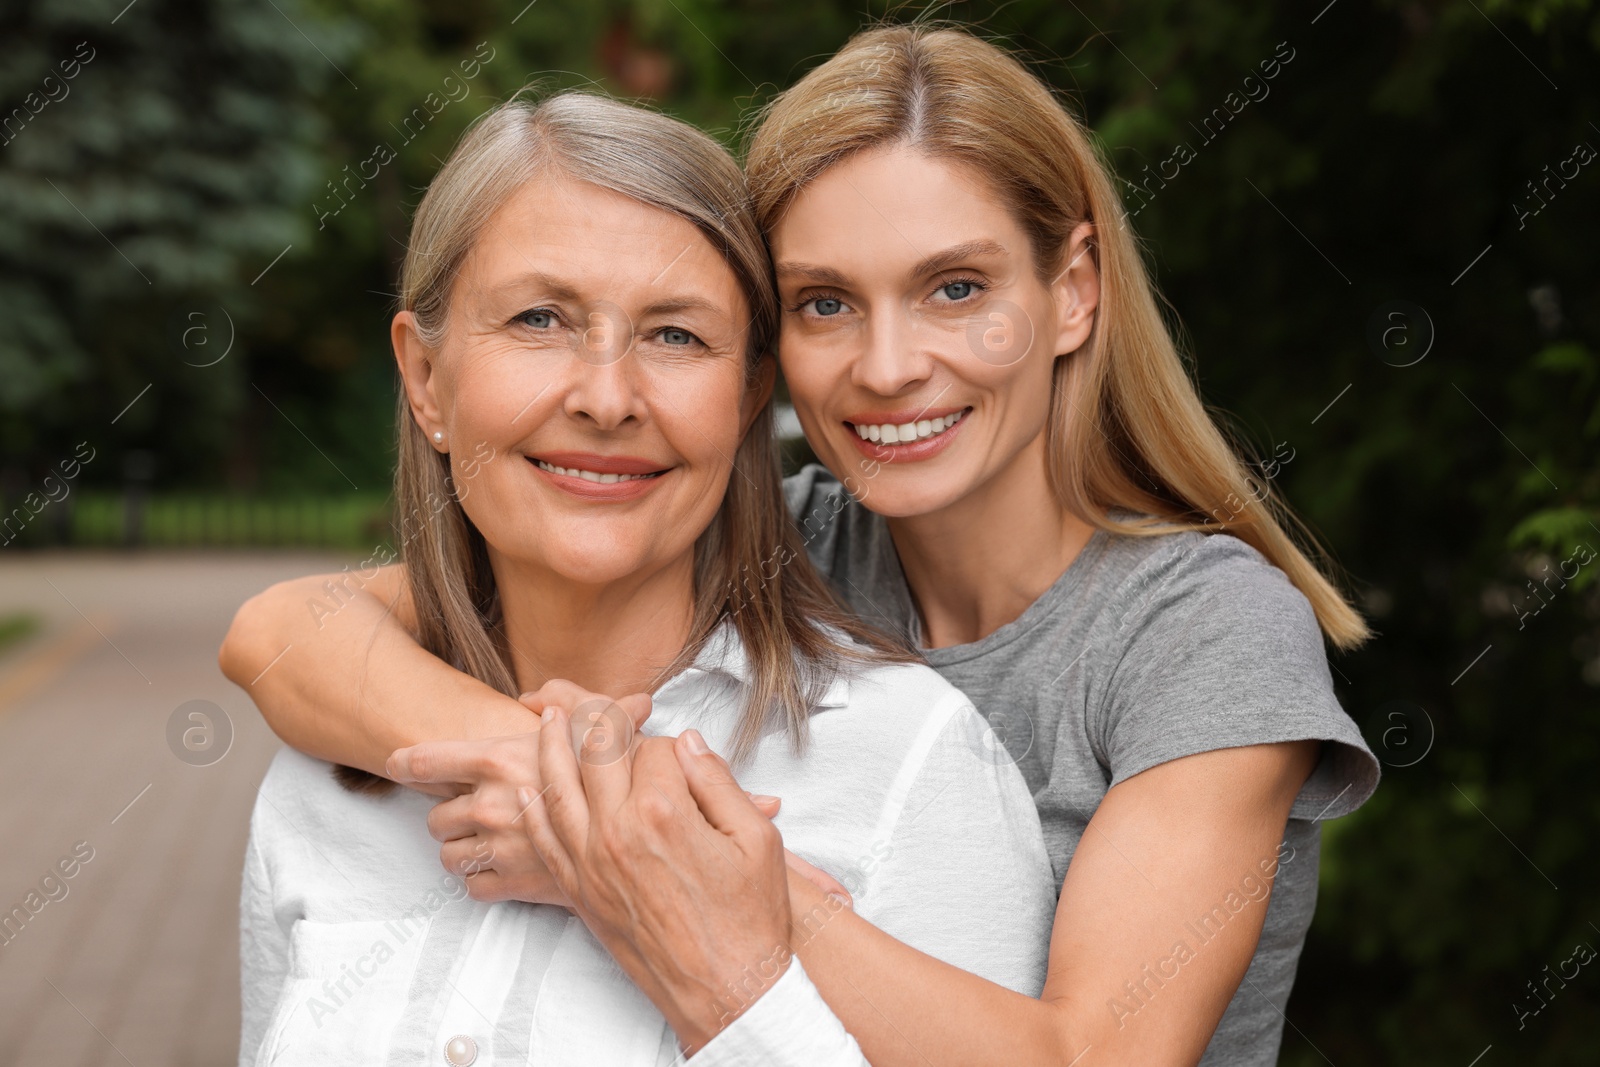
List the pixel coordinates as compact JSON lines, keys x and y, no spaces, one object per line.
{"x":136,"y":961}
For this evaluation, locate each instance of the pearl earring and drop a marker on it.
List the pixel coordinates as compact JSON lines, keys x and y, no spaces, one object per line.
{"x":438,"y":437}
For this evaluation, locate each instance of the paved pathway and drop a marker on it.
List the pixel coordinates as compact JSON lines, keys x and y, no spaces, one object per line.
{"x":137,"y":961}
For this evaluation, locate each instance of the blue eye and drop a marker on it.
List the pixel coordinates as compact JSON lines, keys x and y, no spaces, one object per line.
{"x":957,"y":290}
{"x":827,"y":305}
{"x":674,"y":336}
{"x":538,"y":318}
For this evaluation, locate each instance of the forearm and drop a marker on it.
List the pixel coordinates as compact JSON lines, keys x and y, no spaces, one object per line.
{"x":902,"y":1006}
{"x":907,"y":1008}
{"x":351,"y":685}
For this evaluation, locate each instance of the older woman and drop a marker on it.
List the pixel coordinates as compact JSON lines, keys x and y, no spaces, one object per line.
{"x":586,"y":472}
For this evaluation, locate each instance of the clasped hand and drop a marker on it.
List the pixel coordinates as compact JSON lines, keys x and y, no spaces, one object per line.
{"x":483,"y":827}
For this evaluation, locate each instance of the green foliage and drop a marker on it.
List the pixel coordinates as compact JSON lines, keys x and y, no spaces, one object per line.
{"x":16,"y":627}
{"x":130,"y":182}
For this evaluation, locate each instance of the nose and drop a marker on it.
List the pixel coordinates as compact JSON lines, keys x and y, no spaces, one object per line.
{"x":892,"y":361}
{"x":602,"y":380}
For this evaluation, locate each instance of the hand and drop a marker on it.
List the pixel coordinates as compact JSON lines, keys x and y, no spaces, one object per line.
{"x":480,"y":830}
{"x":671,"y":866}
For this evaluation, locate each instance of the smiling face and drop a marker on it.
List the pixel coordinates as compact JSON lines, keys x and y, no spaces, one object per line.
{"x":918,"y":339}
{"x":590,"y":387}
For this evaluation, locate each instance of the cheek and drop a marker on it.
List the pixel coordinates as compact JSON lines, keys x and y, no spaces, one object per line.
{"x":699,"y":412}
{"x":810,"y":369}
{"x":489,"y":394}
{"x":1023,"y":392}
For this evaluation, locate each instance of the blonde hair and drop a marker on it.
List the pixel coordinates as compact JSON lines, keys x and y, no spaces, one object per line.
{"x":796,"y":635}
{"x":1127,"y":428}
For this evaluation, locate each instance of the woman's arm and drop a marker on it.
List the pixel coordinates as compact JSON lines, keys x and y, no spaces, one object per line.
{"x":1165,"y":850}
{"x":333,"y":664}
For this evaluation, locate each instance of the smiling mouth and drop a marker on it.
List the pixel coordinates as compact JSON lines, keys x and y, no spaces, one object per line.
{"x":888,"y":433}
{"x":606,"y":478}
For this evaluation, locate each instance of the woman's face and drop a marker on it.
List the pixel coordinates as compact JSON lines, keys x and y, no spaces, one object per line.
{"x":591,"y":386}
{"x":918,"y":340}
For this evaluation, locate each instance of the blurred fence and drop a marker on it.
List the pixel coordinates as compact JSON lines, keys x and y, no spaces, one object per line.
{"x":109,"y":520}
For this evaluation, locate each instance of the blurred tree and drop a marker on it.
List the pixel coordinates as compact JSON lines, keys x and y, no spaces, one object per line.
{"x":152,"y":164}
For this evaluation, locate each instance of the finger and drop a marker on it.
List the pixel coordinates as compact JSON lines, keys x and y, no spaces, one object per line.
{"x":453,"y":819}
{"x":489,"y":887}
{"x":718,"y":795}
{"x":817,"y":877}
{"x":603,"y":737}
{"x":563,"y":797}
{"x":766,"y":805}
{"x":658,"y":780}
{"x":437,"y":761}
{"x":638,"y":706}
{"x":556,"y":691}
{"x":535,"y":820}
{"x":439,"y":790}
{"x":570,"y":695}
{"x":465,"y":856}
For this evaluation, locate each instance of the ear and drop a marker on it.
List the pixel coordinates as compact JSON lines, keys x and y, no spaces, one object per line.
{"x":417,"y":365}
{"x":757,"y":395}
{"x":1077,"y":290}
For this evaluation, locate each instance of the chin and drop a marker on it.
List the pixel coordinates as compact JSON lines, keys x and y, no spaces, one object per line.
{"x":901,"y":495}
{"x":584,"y":556}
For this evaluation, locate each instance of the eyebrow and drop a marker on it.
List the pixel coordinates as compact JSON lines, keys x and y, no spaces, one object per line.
{"x":681,"y":304}
{"x":951,"y":256}
{"x":557,"y":289}
{"x":929,"y":265}
{"x":533,"y":279}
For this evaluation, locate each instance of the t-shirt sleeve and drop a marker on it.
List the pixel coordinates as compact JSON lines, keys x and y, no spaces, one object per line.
{"x":961,"y":871}
{"x":1218,"y":649}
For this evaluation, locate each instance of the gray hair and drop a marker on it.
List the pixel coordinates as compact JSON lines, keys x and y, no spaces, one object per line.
{"x":796,"y":634}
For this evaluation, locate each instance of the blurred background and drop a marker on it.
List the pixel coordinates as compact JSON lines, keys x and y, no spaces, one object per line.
{"x":1382,"y":259}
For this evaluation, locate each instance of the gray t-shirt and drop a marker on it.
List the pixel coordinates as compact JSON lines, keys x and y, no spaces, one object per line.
{"x":1146,"y":649}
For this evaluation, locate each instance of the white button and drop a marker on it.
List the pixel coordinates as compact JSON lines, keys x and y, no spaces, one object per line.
{"x":460,"y":1051}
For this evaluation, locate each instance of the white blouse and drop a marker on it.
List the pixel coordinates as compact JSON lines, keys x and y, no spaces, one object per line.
{"x":357,"y":947}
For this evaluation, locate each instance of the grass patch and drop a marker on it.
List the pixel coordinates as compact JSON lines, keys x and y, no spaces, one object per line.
{"x":16,"y":627}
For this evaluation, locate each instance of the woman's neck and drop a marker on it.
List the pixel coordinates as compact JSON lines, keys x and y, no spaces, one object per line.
{"x":978,"y":564}
{"x":612,"y":638}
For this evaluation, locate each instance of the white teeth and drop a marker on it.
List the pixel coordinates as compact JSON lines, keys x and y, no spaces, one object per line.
{"x":892,"y":434}
{"x":592,"y":476}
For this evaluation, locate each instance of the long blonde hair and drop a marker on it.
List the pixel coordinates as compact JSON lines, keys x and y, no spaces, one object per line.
{"x":750,"y":564}
{"x":1127,"y":428}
